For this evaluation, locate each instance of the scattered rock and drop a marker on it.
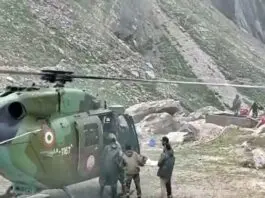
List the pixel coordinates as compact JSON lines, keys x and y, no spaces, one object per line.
{"x":246,"y":146}
{"x":230,"y":128}
{"x":151,"y":163}
{"x":200,"y":129}
{"x":245,"y":158}
{"x":200,"y":113}
{"x":150,"y":74}
{"x":135,"y":73}
{"x":259,"y":158}
{"x":180,"y":119}
{"x":149,"y":65}
{"x":189,"y":128}
{"x":157,"y":123}
{"x":260,"y":130}
{"x":180,"y":137}
{"x":139,"y":111}
{"x":10,"y":79}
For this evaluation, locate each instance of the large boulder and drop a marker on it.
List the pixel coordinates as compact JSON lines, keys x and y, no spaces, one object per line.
{"x":254,"y":158}
{"x":201,"y":113}
{"x":139,"y":111}
{"x":180,"y":120}
{"x":157,"y":123}
{"x":189,"y":127}
{"x":244,"y":157}
{"x":200,"y":129}
{"x":259,"y":158}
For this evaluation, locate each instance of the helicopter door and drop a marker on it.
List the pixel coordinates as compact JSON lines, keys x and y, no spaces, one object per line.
{"x":128,"y":133}
{"x":90,"y":133}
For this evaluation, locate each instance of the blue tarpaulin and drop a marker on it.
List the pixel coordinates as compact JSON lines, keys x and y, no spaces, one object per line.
{"x":152,"y":142}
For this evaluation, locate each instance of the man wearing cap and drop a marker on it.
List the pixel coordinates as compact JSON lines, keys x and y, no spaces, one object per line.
{"x":166,"y":165}
{"x":133,"y":162}
{"x":111,"y":165}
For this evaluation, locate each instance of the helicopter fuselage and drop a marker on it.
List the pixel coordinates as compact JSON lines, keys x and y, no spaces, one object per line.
{"x":53,"y":137}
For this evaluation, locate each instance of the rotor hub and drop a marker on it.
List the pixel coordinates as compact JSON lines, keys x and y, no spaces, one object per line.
{"x":60,"y":77}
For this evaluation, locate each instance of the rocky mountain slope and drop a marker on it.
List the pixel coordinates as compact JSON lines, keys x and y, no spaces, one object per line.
{"x":166,"y":39}
{"x":248,"y":15}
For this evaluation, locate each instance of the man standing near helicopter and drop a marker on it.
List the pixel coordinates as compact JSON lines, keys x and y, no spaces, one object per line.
{"x":111,"y":165}
{"x":121,"y":172}
{"x":133,"y":162}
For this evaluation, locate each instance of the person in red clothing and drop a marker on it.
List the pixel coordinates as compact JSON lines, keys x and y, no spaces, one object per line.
{"x":244,"y":112}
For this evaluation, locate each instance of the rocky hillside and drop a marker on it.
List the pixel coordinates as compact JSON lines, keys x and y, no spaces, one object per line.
{"x":166,"y":39}
{"x":248,"y":15}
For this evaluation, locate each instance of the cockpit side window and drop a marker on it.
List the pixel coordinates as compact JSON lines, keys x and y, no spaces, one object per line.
{"x":122,"y":121}
{"x":108,"y":124}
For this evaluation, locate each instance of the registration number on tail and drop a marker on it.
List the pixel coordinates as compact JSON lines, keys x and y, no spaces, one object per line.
{"x":63,"y":151}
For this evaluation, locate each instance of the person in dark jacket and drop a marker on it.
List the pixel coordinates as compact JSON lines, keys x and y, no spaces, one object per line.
{"x":164,"y":140}
{"x":255,"y":107}
{"x":111,"y":165}
{"x":236,"y":105}
{"x":166,"y":166}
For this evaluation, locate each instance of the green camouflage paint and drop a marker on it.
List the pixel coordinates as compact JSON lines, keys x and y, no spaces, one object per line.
{"x":50,"y":157}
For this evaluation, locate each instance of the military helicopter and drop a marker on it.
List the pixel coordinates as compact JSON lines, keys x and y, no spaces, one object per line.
{"x":52,"y":137}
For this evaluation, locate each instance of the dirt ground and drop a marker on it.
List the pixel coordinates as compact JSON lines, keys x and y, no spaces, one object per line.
{"x":202,"y":171}
{"x":206,"y":170}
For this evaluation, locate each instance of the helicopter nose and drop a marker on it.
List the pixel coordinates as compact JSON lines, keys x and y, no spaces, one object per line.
{"x":7,"y":132}
{"x":9,"y":122}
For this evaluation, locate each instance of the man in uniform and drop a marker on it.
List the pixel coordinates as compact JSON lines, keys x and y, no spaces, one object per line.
{"x":255,"y":107}
{"x":133,"y":162}
{"x":121,"y":171}
{"x":236,"y":105}
{"x":111,"y":164}
{"x":166,"y":166}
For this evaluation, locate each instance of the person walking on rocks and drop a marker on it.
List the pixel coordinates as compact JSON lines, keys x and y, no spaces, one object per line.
{"x":133,"y":162}
{"x":166,"y":165}
{"x":255,"y":107}
{"x":236,"y":105}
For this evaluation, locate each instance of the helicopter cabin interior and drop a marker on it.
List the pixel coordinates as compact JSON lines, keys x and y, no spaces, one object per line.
{"x":122,"y":126}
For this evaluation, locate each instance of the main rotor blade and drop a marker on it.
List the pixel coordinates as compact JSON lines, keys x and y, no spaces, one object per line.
{"x":135,"y":79}
{"x":169,"y":81}
{"x":20,"y":72}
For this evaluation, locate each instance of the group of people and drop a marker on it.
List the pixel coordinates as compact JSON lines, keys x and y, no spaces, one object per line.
{"x":236,"y":107}
{"x":118,"y":166}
